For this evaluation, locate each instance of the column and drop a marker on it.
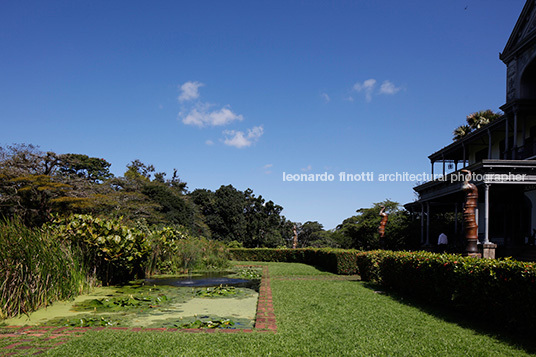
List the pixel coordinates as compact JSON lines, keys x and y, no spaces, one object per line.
{"x":427,"y":223}
{"x":456,"y":218}
{"x":463,"y":147}
{"x":506,"y":143}
{"x":486,"y":213}
{"x":422,"y":223}
{"x":523,"y":133}
{"x":489,"y":144}
{"x":514,"y":144}
{"x":488,"y":248}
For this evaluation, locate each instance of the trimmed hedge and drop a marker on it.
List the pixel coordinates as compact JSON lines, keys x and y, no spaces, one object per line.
{"x":338,"y":261}
{"x":503,"y":291}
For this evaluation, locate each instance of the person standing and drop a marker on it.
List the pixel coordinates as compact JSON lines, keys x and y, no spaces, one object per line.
{"x":442,"y":242}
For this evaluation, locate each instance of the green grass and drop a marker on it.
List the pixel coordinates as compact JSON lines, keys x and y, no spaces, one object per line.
{"x":288,"y":269}
{"x":314,"y":318}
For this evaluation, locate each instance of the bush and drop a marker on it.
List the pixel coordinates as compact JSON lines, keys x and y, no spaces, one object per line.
{"x":338,"y":261}
{"x":113,"y":251}
{"x":368,"y":265}
{"x":36,"y":268}
{"x":499,"y":290}
{"x":174,"y":251}
{"x":502,"y":291}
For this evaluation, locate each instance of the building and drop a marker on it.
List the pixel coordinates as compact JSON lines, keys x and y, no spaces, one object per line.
{"x":502,"y":156}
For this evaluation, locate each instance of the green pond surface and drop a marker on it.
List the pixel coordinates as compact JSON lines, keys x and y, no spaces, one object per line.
{"x":142,"y":305}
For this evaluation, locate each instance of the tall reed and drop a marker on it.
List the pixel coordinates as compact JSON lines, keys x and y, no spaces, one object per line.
{"x":36,"y":268}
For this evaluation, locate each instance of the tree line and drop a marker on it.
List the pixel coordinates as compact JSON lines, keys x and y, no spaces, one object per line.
{"x":36,"y":186}
{"x":361,"y":230}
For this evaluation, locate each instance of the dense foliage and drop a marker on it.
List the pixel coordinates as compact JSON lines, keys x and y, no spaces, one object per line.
{"x":499,"y":290}
{"x":111,"y":249}
{"x":173,"y":250}
{"x":59,"y":260}
{"x":233,"y":215}
{"x":339,"y":261}
{"x":361,"y":231}
{"x":36,"y":186}
{"x":36,"y":268}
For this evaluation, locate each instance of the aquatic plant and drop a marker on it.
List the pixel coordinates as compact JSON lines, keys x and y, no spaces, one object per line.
{"x":209,"y":324}
{"x":85,"y":321}
{"x":217,"y":291}
{"x":114,"y":251}
{"x":120,"y":303}
{"x":36,"y":268}
{"x":251,"y":273}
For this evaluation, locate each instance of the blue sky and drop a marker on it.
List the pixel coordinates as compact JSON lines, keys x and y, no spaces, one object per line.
{"x":240,"y":92}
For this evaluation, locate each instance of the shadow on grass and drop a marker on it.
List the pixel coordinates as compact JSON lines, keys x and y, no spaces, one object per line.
{"x":511,"y":335}
{"x":323,"y":269}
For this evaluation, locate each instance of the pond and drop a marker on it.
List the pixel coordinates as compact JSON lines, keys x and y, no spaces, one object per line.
{"x":206,"y":279}
{"x":224,"y":300}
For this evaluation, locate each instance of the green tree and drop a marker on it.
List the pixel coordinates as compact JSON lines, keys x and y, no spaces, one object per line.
{"x":361,"y":230}
{"x":143,"y":194}
{"x":32,"y":185}
{"x":308,"y":232}
{"x":83,"y":166}
{"x":265,"y":225}
{"x":233,"y":215}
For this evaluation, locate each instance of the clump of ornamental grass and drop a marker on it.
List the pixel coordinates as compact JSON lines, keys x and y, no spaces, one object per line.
{"x":36,"y":268}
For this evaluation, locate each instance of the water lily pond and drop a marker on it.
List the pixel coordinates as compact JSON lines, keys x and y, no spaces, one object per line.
{"x":198,"y":301}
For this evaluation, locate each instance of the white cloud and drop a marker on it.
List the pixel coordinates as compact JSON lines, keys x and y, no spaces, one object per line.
{"x":201,"y":116}
{"x":189,"y":91}
{"x":367,"y":87}
{"x":308,"y":168}
{"x":197,"y":112}
{"x":240,"y":140}
{"x":326,"y":97}
{"x":388,"y":87}
{"x":267,"y":166}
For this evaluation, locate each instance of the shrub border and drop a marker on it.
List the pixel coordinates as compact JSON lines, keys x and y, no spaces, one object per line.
{"x":338,"y":261}
{"x":496,"y":290}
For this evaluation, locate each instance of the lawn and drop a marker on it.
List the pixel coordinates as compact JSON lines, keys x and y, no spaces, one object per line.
{"x":317,"y":315}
